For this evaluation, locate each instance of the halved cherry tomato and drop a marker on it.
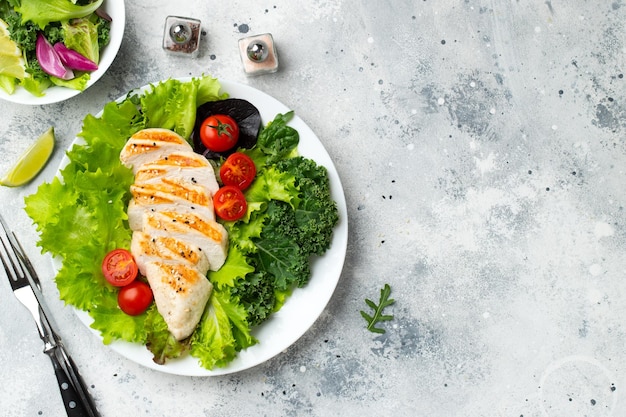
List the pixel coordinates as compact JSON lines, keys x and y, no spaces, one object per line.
{"x":238,"y":170}
{"x":119,"y":267}
{"x":230,"y":203}
{"x":219,"y":132}
{"x":135,"y":298}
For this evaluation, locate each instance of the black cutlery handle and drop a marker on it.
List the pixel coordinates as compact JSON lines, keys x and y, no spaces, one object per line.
{"x":71,"y":398}
{"x":87,"y":400}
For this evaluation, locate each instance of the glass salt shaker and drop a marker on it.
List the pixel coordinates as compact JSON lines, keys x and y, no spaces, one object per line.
{"x":258,"y":54}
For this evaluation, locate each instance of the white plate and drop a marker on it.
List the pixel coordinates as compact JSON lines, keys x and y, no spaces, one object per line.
{"x":305,"y":304}
{"x":115,"y":9}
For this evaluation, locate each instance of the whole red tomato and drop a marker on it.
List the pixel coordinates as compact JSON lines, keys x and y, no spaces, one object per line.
{"x":219,"y":132}
{"x":135,"y":298}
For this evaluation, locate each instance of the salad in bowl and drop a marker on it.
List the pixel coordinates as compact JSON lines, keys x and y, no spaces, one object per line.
{"x":51,"y":50}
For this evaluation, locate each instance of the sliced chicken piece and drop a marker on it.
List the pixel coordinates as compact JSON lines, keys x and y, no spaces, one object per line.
{"x":153,"y":144}
{"x":148,"y":193}
{"x":206,"y":234}
{"x":165,"y":248}
{"x":136,"y":211}
{"x":182,"y":167}
{"x":168,"y":196}
{"x":180,"y":293}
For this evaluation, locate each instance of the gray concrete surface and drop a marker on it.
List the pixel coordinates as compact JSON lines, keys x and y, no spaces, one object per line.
{"x":481,"y":146}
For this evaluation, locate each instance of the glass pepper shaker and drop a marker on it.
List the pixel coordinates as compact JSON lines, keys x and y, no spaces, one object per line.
{"x":181,"y":36}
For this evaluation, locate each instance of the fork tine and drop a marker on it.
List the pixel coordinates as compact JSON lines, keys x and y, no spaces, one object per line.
{"x":12,"y":268}
{"x":23,"y":270}
{"x":11,"y":264}
{"x":25,"y":264}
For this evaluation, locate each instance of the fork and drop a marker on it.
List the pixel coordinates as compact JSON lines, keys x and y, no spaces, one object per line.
{"x":26,"y":288}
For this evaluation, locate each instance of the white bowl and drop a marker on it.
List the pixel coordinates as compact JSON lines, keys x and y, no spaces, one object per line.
{"x":117,"y":11}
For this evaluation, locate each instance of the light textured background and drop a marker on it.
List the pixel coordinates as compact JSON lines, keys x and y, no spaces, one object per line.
{"x":481,"y":145}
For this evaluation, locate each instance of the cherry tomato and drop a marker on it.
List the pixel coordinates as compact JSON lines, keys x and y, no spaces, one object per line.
{"x":238,"y":170}
{"x":135,"y":298}
{"x":230,"y":203}
{"x":119,"y":267}
{"x":219,"y":132}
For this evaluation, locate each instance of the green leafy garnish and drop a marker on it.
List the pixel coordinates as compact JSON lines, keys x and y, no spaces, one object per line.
{"x":378,"y":316}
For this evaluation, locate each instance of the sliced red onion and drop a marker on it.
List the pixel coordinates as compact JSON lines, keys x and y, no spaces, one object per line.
{"x":74,"y":60}
{"x":49,"y":60}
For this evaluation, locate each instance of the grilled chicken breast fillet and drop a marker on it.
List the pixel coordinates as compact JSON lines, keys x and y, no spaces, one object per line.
{"x":168,"y":196}
{"x":176,"y":239}
{"x":188,"y":167}
{"x":166,"y":248}
{"x":180,"y":293}
{"x":208,"y":235}
{"x":150,"y":145}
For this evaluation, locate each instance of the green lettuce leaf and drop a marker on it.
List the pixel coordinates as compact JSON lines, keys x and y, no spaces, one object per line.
{"x":36,"y":85}
{"x":79,"y":82}
{"x":115,"y":325}
{"x":160,"y":341}
{"x":172,"y":104}
{"x":7,"y":83}
{"x":42,"y":12}
{"x":213,"y":342}
{"x":234,"y":268}
{"x":81,"y":35}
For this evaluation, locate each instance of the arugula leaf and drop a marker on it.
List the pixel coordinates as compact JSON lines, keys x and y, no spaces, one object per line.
{"x":378,"y":316}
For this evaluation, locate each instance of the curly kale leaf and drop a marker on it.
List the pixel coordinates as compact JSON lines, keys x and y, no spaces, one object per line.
{"x":317,"y":214}
{"x":24,"y":34}
{"x":256,"y":293}
{"x":104,"y":32}
{"x":278,"y":249}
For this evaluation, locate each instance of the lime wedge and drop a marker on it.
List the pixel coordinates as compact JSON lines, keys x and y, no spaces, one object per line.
{"x":31,"y":162}
{"x":11,"y":61}
{"x":12,"y":66}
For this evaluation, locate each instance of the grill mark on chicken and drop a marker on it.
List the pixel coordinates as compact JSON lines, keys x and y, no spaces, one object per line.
{"x":153,"y":194}
{"x":209,"y":229}
{"x":176,"y":159}
{"x":159,"y":135}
